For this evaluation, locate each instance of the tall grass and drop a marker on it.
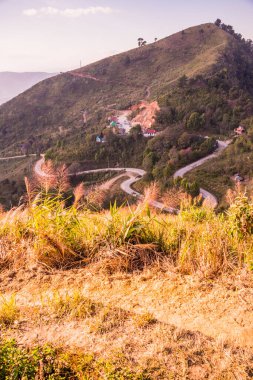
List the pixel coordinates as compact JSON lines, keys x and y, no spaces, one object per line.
{"x":49,"y":232}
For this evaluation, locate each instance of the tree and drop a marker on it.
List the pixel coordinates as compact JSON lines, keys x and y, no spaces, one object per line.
{"x":230,"y":29}
{"x":195,"y":121}
{"x":140,"y":41}
{"x":224,"y":27}
{"x":155,"y":39}
{"x":184,"y":140}
{"x":149,"y":161}
{"x":218,"y":22}
{"x":136,"y":131}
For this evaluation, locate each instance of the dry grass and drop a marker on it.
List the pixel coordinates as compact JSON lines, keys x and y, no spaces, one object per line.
{"x":132,"y":343}
{"x":109,"y":319}
{"x":69,"y":306}
{"x":124,"y":316}
{"x":144,"y":320}
{"x":50,"y":233}
{"x":173,"y":198}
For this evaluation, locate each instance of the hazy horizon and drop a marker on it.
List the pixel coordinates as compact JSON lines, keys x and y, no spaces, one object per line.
{"x":55,"y":35}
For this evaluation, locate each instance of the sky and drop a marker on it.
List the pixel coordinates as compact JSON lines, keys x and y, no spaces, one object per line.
{"x":55,"y":35}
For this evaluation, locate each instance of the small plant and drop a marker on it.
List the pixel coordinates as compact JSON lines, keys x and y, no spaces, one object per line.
{"x":240,"y":216}
{"x":144,"y":320}
{"x":109,"y":319}
{"x":71,"y":306}
{"x":9,"y":311}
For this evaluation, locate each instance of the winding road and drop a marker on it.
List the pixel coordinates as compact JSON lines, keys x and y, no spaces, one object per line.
{"x":135,"y":174}
{"x":181,"y":172}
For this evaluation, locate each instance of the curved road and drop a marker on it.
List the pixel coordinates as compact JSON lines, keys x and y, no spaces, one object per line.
{"x":135,"y":174}
{"x":181,"y":172}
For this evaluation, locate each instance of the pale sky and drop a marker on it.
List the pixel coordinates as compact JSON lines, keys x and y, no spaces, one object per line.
{"x":54,"y":35}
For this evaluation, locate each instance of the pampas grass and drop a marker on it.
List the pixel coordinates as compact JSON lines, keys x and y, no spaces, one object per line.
{"x":48,"y":231}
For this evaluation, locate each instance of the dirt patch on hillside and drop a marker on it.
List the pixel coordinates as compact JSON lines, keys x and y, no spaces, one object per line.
{"x":146,"y":114}
{"x":221,"y":309}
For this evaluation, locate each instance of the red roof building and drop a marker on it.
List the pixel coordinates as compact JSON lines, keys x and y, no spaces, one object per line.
{"x":240,"y":130}
{"x":150,"y":133}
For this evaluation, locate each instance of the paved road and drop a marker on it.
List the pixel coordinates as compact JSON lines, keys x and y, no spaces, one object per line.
{"x":181,"y":172}
{"x":15,"y":157}
{"x":135,"y":174}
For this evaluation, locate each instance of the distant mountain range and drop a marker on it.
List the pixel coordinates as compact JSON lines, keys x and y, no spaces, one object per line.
{"x":13,"y":84}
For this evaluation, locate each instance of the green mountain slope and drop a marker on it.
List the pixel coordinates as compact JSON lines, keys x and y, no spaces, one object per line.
{"x":56,"y":104}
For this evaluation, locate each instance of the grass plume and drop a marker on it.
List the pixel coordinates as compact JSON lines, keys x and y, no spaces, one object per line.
{"x":57,"y":234}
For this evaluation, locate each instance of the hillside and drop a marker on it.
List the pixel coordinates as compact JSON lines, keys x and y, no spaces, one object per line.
{"x":13,"y":84}
{"x":52,"y":109}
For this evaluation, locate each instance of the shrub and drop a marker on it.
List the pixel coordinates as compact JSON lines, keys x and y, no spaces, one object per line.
{"x":240,"y":217}
{"x":9,"y":311}
{"x":50,"y":363}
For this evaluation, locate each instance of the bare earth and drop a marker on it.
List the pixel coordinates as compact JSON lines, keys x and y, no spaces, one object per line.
{"x":220,"y":309}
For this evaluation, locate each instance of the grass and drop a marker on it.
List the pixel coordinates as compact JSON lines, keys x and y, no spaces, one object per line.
{"x":151,"y":351}
{"x":51,"y":363}
{"x":70,"y":306}
{"x":9,"y":312}
{"x":120,"y":338}
{"x":115,"y":344}
{"x":144,"y":320}
{"x":109,"y":319}
{"x":127,"y":238}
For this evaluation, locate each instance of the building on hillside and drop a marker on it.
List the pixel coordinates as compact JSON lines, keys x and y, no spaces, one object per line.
{"x":100,"y":138}
{"x":112,"y":118}
{"x":149,"y":133}
{"x":238,"y":178}
{"x":240,"y":130}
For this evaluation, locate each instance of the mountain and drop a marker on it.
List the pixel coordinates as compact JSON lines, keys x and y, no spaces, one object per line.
{"x":201,"y":79}
{"x":56,"y":103}
{"x":12,"y":84}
